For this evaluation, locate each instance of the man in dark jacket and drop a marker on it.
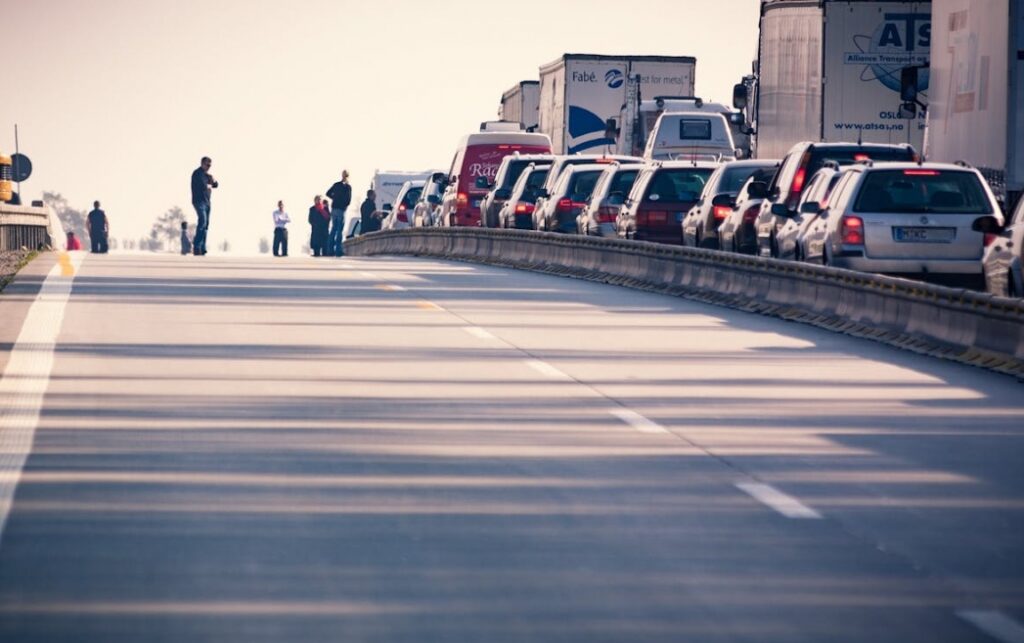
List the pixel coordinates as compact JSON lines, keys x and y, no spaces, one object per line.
{"x":319,"y":222}
{"x":202,"y":184}
{"x":368,"y":219}
{"x":340,"y":195}
{"x":98,"y":228}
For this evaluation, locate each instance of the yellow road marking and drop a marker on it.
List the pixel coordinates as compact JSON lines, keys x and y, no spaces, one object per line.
{"x":66,"y":269}
{"x":428,"y":305}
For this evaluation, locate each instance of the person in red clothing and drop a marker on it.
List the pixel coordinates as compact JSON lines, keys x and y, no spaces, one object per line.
{"x":74,"y":243}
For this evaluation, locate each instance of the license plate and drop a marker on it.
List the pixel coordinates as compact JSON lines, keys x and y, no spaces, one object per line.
{"x":924,"y":235}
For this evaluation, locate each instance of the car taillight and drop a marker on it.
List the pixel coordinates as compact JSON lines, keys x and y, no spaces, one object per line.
{"x":720,"y":212}
{"x":462,"y":199}
{"x":921,"y":172}
{"x":851,"y":231}
{"x":750,"y":214}
{"x":607,"y":214}
{"x":651,"y":217}
{"x":564,"y":205}
{"x":402,"y":215}
{"x":989,"y":238}
{"x":524,"y":208}
{"x":797,"y":186}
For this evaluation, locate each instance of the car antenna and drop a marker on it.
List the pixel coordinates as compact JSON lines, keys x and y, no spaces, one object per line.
{"x":860,"y":136}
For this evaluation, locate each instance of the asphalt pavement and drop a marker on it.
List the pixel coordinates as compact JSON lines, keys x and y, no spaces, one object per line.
{"x":398,"y":449}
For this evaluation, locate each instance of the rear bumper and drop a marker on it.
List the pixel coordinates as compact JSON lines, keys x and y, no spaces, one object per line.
{"x":671,"y":236}
{"x":909,"y":266}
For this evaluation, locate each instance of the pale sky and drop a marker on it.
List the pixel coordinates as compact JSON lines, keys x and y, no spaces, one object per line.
{"x":117,"y":100}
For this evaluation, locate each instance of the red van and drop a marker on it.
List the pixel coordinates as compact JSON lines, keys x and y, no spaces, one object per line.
{"x":474,"y":167}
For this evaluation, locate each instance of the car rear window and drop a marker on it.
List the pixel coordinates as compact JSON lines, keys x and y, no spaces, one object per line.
{"x":536,"y":178}
{"x":582,"y":185}
{"x":515,"y":168}
{"x":411,"y":197}
{"x":695,"y":129}
{"x":922,"y":191}
{"x":623,"y":181}
{"x":734,"y":178}
{"x":678,"y":185}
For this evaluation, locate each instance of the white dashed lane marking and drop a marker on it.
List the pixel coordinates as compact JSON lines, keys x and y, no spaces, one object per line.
{"x":994,"y":623}
{"x":546,"y":369}
{"x":785,"y":504}
{"x":476,"y":331}
{"x":638,"y":422}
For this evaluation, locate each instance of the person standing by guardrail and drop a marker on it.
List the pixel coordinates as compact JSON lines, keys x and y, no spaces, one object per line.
{"x":341,"y":196}
{"x":202,"y":186}
{"x":319,"y":222}
{"x":369,"y":219}
{"x":99,"y":229}
{"x":281,"y":220}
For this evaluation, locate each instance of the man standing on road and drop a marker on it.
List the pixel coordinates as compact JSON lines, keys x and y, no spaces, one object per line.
{"x":99,"y":228}
{"x":340,"y":195}
{"x":202,"y":185}
{"x":281,"y":219}
{"x":368,"y":219}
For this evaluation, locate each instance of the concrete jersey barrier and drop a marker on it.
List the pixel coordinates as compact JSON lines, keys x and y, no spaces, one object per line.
{"x":966,"y":326}
{"x":26,"y":227}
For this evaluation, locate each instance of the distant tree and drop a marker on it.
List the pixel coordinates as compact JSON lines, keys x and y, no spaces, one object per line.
{"x":143,"y":243}
{"x":264,"y":246}
{"x":166,"y":231}
{"x":71,"y":219}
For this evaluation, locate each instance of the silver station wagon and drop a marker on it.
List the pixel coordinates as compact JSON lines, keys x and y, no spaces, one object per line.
{"x":910,"y":219}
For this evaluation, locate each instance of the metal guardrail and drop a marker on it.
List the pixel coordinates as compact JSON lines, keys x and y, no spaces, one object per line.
{"x":965,"y":326}
{"x":26,"y":227}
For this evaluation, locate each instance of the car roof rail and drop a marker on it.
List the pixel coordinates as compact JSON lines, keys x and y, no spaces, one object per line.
{"x":831,"y":164}
{"x":963,"y":163}
{"x":865,"y":163}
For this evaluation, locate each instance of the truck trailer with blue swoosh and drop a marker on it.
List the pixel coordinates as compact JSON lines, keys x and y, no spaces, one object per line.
{"x":580,"y":92}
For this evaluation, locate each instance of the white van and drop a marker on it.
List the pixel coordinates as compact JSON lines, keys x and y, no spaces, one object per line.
{"x":690,"y":136}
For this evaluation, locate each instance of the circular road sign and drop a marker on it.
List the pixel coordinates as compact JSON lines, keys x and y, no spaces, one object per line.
{"x":21,"y":167}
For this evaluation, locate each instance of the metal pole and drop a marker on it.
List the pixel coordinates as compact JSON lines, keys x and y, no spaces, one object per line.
{"x":17,"y":150}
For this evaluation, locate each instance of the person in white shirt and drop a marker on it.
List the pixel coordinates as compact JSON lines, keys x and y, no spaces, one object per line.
{"x":281,"y":219}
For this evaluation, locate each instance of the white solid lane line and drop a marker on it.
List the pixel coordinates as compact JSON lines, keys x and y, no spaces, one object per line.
{"x":27,"y":377}
{"x":391,"y":287}
{"x":546,"y":369}
{"x":476,"y":331}
{"x":994,"y":623}
{"x":638,"y":422}
{"x":368,"y":275}
{"x":786,"y":505}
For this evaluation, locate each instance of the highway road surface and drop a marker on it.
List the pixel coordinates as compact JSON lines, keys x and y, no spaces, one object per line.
{"x":396,"y":449}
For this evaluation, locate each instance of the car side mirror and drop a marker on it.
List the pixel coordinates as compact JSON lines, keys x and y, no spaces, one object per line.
{"x":739,"y":96}
{"x":986,"y":225}
{"x":757,"y":190}
{"x":454,"y":179}
{"x":387,"y":207}
{"x":482,"y":182}
{"x":780,"y":210}
{"x":810,"y":207}
{"x":723,"y":200}
{"x":502,"y":193}
{"x":433,"y":199}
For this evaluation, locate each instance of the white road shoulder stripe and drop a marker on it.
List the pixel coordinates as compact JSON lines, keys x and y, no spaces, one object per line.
{"x":994,"y":623}
{"x":27,"y":376}
{"x":638,"y":422}
{"x":786,"y":505}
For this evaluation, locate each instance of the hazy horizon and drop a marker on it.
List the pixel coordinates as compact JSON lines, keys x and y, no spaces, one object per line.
{"x":116,"y":101}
